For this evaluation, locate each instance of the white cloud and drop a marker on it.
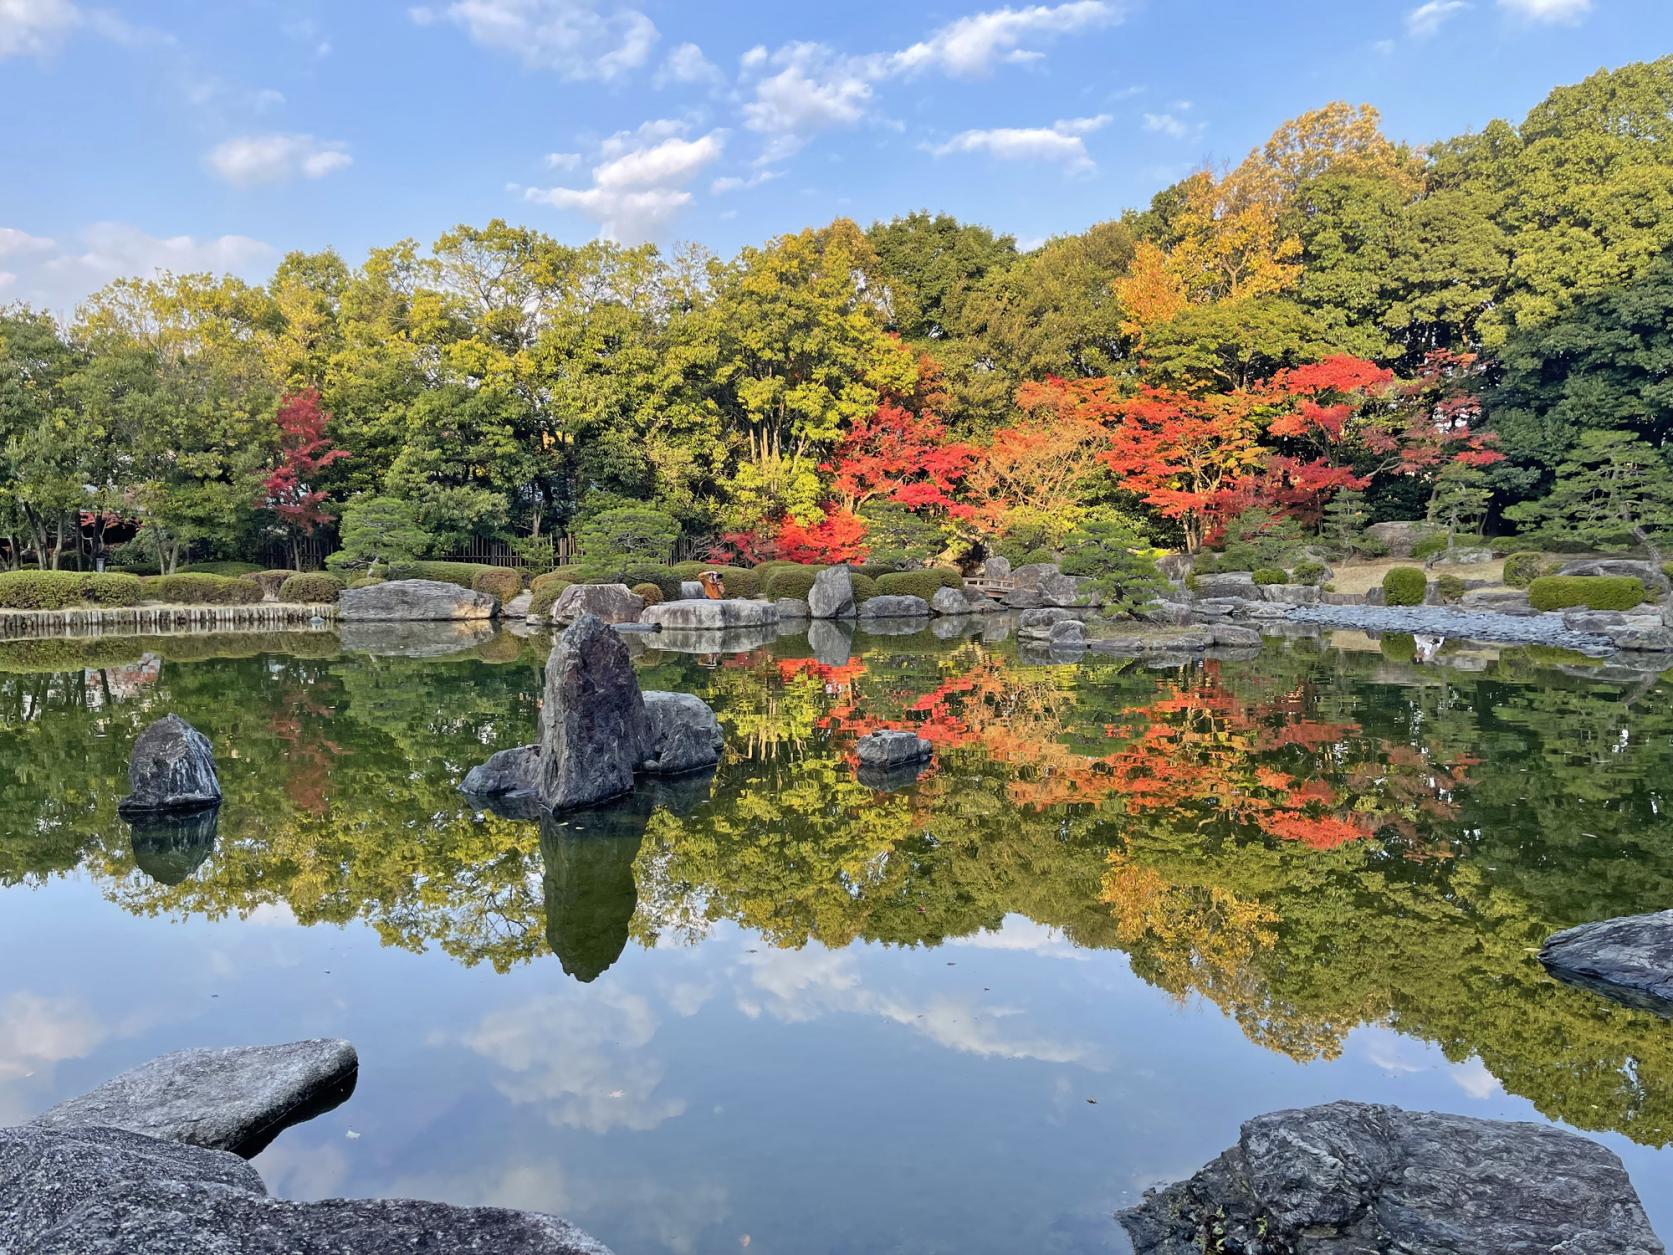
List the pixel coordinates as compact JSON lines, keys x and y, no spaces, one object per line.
{"x":1060,"y":143}
{"x":35,"y":27}
{"x":733,"y":183}
{"x":974,"y":45}
{"x":810,"y":90}
{"x":1547,"y":10}
{"x":562,"y":161}
{"x":687,"y":64}
{"x":250,"y":159}
{"x":13,"y":241}
{"x":643,"y":181}
{"x":58,"y":275}
{"x":1172,"y":125}
{"x":1429,"y":17}
{"x":571,"y":37}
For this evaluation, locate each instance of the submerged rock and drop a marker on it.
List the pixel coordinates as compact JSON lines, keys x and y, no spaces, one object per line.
{"x":710,"y":616}
{"x":407,"y":600}
{"x":832,"y":594}
{"x":594,"y":730}
{"x":420,"y":639}
{"x":830,"y":644}
{"x":892,"y":747}
{"x":172,"y":769}
{"x":1352,"y":1178}
{"x":237,"y":1099}
{"x":106,"y":1191}
{"x":684,"y":734}
{"x":1629,"y":959}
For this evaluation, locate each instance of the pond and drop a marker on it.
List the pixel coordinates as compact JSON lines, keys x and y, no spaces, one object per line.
{"x":1126,"y":909}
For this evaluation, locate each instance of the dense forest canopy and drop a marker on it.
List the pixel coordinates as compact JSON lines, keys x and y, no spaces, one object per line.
{"x":1338,"y":319}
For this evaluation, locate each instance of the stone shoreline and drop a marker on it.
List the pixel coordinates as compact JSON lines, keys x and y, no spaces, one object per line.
{"x":1481,"y":625}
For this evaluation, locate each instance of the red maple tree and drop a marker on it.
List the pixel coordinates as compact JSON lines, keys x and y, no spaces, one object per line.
{"x":304,"y":450}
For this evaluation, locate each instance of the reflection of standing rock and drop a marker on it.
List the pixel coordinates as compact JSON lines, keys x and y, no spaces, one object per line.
{"x":830,"y":644}
{"x":172,"y":769}
{"x":169,"y":848}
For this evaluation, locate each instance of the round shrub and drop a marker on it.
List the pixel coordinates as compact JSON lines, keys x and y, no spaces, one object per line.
{"x":546,"y":590}
{"x":365,"y":581}
{"x":865,"y":588}
{"x":1405,"y":586}
{"x":1398,"y":646}
{"x":59,"y":590}
{"x":1309,"y":572}
{"x":873,"y":570}
{"x":310,"y":588}
{"x":650,"y":592}
{"x":111,"y":589}
{"x":1272,"y":575}
{"x":1450,"y":589}
{"x":1523,"y":567}
{"x":666,"y":579}
{"x":918,"y":583}
{"x":1595,"y":592}
{"x":789,"y":580}
{"x":500,"y":582}
{"x":204,"y":590}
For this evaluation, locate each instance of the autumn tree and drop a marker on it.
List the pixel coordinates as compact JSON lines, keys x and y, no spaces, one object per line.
{"x":304,"y":450}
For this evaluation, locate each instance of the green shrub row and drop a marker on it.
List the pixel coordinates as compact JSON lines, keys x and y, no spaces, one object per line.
{"x":1405,"y":586}
{"x":651,"y":594}
{"x":60,"y":590}
{"x":202,"y":590}
{"x":231,"y":570}
{"x":463,"y":574}
{"x":1595,"y":592}
{"x":922,"y":583}
{"x":311,"y":588}
{"x":271,"y":581}
{"x":1523,"y":568}
{"x":499,"y":582}
{"x":788,"y":580}
{"x":1272,"y":575}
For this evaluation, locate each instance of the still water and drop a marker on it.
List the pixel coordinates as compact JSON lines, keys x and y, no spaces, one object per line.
{"x":774,"y":1010}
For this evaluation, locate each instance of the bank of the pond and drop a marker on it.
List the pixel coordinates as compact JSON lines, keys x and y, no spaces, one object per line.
{"x":137,"y":620}
{"x":1534,"y":629}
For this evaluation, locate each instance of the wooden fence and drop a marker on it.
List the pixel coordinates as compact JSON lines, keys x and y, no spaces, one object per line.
{"x":489,"y":551}
{"x":93,"y":621}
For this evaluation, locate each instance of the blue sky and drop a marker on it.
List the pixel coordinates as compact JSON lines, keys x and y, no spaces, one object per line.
{"x":219,"y":135}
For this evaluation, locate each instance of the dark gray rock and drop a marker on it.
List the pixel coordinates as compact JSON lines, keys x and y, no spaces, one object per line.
{"x":505,"y":774}
{"x":1655,"y":638}
{"x":1175,"y":614}
{"x":172,"y":769}
{"x":1057,"y":589}
{"x":104,"y":1191}
{"x":1038,"y":622}
{"x":997,"y":568}
{"x":710,"y":616}
{"x":1628,"y":959}
{"x":832,"y":594}
{"x":1401,"y":536}
{"x":518,"y":606}
{"x":891,"y":779}
{"x":1356,"y":1179}
{"x":684,"y":736}
{"x":236,"y":1099}
{"x":1023,"y":599}
{"x":1067,"y":634}
{"x":1226,"y":584}
{"x":1234,"y":635}
{"x":892,"y":747}
{"x":895,"y":606}
{"x":1463,"y":555}
{"x":613,"y":603}
{"x":1596,"y":622}
{"x":170,"y":846}
{"x":1141,"y":640}
{"x":397,"y":601}
{"x":1498,"y":600}
{"x":594,"y":730}
{"x":1290,"y":594}
{"x":1027,"y":577}
{"x":1655,"y":583}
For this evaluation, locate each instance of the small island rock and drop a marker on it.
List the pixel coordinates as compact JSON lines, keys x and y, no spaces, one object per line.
{"x":397,"y":601}
{"x":1629,"y":959}
{"x":172,"y":769}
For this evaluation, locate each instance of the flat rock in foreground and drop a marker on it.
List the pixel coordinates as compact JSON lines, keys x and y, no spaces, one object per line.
{"x":236,"y":1099}
{"x":103,"y":1191}
{"x":398,"y":601}
{"x":1354,"y":1178}
{"x":1628,"y":959}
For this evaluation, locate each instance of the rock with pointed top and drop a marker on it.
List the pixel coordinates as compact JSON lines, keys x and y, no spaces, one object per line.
{"x":172,"y":769}
{"x":594,"y":730}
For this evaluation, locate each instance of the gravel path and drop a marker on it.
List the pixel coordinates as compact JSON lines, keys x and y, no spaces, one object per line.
{"x":1538,"y":629}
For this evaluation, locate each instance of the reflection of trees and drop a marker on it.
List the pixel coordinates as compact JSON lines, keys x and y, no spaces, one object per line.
{"x":1313,"y":841}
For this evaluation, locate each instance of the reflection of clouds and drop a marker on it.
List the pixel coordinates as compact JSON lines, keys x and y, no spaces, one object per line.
{"x":581,"y":1061}
{"x":525,"y":1185}
{"x":35,"y":1033}
{"x":797,"y":986}
{"x":1018,"y":932}
{"x":272,"y":915}
{"x":1402,"y":1056}
{"x":294,"y":1169}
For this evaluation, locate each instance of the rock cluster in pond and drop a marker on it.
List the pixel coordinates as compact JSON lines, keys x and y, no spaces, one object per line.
{"x":1352,"y":1178}
{"x":397,"y":601}
{"x":237,"y":1099}
{"x":894,"y":606}
{"x":891,"y":759}
{"x":172,"y":768}
{"x":1628,"y":959}
{"x":597,"y":730}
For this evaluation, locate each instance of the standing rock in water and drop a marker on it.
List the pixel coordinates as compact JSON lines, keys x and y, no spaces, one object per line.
{"x":832,"y":594}
{"x":684,"y":735}
{"x":1350,"y":1178}
{"x":594,"y":729}
{"x":1628,"y":959}
{"x":172,"y":769}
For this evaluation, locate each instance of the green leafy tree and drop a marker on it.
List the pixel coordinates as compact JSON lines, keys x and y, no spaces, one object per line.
{"x":1114,"y":558}
{"x":379,"y":530}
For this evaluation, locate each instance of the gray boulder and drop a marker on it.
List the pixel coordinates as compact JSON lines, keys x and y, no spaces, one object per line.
{"x":236,"y":1100}
{"x":1233,"y":635}
{"x":704,"y":615}
{"x":692,"y":590}
{"x":1654,"y":638}
{"x":172,"y":768}
{"x":684,"y":736}
{"x":1057,"y":589}
{"x":1628,"y":959}
{"x":1290,"y":594}
{"x":1498,"y":600}
{"x":1141,"y":640}
{"x":832,"y":594}
{"x":1023,"y":599}
{"x":594,"y":730}
{"x":1041,"y":618}
{"x":518,"y":606}
{"x":396,"y":601}
{"x":997,"y":568}
{"x":1593,"y":622}
{"x":106,"y":1191}
{"x":1067,"y":634}
{"x":1655,"y":582}
{"x":1225,"y":584}
{"x":505,"y":774}
{"x":1352,"y":1178}
{"x":792,"y":608}
{"x":613,"y":603}
{"x":1175,"y":613}
{"x":1462,"y":555}
{"x":1401,"y":536}
{"x":951,"y":601}
{"x":830,"y":644}
{"x":895,"y":606}
{"x":892,"y":747}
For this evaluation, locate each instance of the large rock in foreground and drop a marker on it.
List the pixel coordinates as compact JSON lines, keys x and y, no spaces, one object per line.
{"x":237,"y":1099}
{"x":709,"y":616}
{"x":832,"y":594}
{"x":1353,"y":1178}
{"x":397,"y":601}
{"x":104,"y":1191}
{"x":1628,"y":959}
{"x":613,"y":603}
{"x":684,"y":734}
{"x":594,"y":730}
{"x":172,"y":769}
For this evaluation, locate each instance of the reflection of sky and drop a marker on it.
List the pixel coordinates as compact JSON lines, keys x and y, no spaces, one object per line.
{"x":983,"y":1096}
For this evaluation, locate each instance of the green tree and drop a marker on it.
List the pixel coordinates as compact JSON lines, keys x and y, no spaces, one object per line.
{"x":379,"y":530}
{"x":1612,"y":489}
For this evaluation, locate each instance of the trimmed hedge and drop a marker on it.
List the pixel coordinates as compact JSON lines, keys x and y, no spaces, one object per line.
{"x":231,"y":570}
{"x":202,"y":590}
{"x":650,"y":592}
{"x":1309,"y":571}
{"x":875,"y":570}
{"x":918,"y":583}
{"x":1595,"y":592}
{"x":865,"y":588}
{"x":1429,"y":547}
{"x":1272,"y":575}
{"x":790,"y":580}
{"x":60,"y":590}
{"x":1405,"y":586}
{"x":463,"y":574}
{"x":666,"y":579}
{"x":498,"y":581}
{"x":1523,"y":567}
{"x":545,"y":591}
{"x":311,"y":587}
